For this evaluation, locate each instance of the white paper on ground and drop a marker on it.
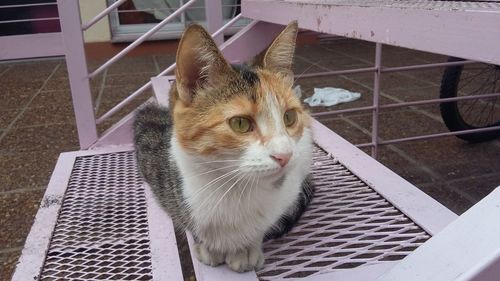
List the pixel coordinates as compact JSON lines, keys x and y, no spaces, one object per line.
{"x":331,"y":96}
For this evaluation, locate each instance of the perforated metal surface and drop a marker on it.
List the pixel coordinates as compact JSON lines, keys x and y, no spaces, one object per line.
{"x":474,"y":5}
{"x":347,"y":225}
{"x":102,"y":230}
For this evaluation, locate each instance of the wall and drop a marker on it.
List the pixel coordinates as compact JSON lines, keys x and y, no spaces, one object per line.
{"x":100,"y":31}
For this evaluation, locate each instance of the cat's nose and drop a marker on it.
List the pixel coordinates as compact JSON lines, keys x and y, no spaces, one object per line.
{"x":282,"y":158}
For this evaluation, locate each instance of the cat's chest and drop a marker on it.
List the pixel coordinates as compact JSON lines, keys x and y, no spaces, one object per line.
{"x":249,"y":201}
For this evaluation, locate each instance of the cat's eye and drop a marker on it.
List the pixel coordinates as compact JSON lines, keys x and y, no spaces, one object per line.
{"x":240,"y":124}
{"x":290,"y":117}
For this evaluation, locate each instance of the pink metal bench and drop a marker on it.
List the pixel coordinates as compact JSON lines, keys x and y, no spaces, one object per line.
{"x":98,"y":221}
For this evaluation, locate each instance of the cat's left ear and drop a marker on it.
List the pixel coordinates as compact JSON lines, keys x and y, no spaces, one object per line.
{"x":279,"y":55}
{"x":199,"y":63}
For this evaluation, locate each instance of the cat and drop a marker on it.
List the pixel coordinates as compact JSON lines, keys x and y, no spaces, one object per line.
{"x":230,"y":158}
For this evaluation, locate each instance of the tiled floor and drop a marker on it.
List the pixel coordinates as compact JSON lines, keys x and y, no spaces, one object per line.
{"x":37,"y":123}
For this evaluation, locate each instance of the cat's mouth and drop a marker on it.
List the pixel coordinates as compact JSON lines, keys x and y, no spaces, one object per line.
{"x":271,"y":172}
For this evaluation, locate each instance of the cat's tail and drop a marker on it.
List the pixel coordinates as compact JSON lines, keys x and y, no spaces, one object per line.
{"x":152,"y":128}
{"x":152,"y":133}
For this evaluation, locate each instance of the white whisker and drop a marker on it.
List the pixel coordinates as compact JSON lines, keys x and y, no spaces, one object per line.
{"x":211,"y":171}
{"x":218,"y":161}
{"x":243,"y":189}
{"x":203,"y":188}
{"x":227,"y":191}
{"x":215,"y":191}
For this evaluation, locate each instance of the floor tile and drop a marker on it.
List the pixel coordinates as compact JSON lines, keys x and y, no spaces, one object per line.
{"x":137,"y":79}
{"x":6,"y":117}
{"x":454,"y":201}
{"x":8,"y":263}
{"x":408,"y":170}
{"x":113,"y":95}
{"x":478,"y":186}
{"x":45,"y":115}
{"x":52,"y":98}
{"x":401,"y":124}
{"x":48,"y":137}
{"x":19,"y":210}
{"x":164,"y":61}
{"x":16,"y":94}
{"x":133,"y":65}
{"x":345,"y":130}
{"x":23,"y":170}
{"x":30,"y":71}
{"x":453,"y":158}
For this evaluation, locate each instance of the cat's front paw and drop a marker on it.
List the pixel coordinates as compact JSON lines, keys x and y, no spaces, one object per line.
{"x":245,"y":260}
{"x":207,"y":256}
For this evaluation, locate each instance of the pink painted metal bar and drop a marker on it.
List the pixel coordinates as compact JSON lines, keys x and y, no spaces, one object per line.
{"x":102,"y":14}
{"x":69,"y":12}
{"x":163,"y":244}
{"x":431,"y":101}
{"x":403,"y":104}
{"x":348,"y":110}
{"x":213,"y":13}
{"x":424,"y":66}
{"x":27,"y":5}
{"x":21,"y":46}
{"x":398,"y":23}
{"x":37,"y":242}
{"x":384,"y":69}
{"x":29,"y":20}
{"x":146,"y":86}
{"x":376,"y":94}
{"x":431,"y":136}
{"x":462,"y":132}
{"x":250,"y":41}
{"x":336,"y":72}
{"x":461,"y":251}
{"x":142,"y":38}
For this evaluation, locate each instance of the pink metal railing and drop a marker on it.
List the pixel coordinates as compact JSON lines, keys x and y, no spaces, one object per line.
{"x":86,"y":120}
{"x":102,"y":14}
{"x":79,"y":76}
{"x":146,"y":86}
{"x":142,"y":38}
{"x":21,"y":46}
{"x":378,"y":69}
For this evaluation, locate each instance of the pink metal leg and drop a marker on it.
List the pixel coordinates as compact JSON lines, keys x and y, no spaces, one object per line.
{"x":376,"y":93}
{"x":213,"y":12}
{"x":69,"y":12}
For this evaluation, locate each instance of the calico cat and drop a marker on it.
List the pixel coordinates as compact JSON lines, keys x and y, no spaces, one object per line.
{"x":229,"y":160}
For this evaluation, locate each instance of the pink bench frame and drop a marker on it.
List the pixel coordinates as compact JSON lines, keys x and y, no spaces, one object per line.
{"x":422,"y":209}
{"x":21,"y":46}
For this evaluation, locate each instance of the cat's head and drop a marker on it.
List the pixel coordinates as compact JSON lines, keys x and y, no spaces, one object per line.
{"x":244,"y":113}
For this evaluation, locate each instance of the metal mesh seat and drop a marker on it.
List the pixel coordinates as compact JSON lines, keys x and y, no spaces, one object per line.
{"x":102,"y":231}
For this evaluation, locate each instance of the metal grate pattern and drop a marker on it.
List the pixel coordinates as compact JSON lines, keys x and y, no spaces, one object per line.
{"x":102,"y":229}
{"x":347,"y":225}
{"x":474,"y":5}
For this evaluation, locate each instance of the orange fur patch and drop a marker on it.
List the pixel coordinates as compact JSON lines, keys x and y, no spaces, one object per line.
{"x":205,"y":129}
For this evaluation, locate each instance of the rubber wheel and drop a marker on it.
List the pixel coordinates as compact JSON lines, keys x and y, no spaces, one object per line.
{"x":471,"y":114}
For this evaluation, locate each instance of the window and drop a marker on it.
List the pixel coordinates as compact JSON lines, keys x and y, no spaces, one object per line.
{"x":134,"y":17}
{"x":19,"y":17}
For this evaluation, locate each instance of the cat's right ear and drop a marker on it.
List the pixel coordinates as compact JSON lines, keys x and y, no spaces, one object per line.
{"x":199,"y":62}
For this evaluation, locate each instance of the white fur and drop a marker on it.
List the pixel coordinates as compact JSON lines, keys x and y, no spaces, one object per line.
{"x":241,"y":219}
